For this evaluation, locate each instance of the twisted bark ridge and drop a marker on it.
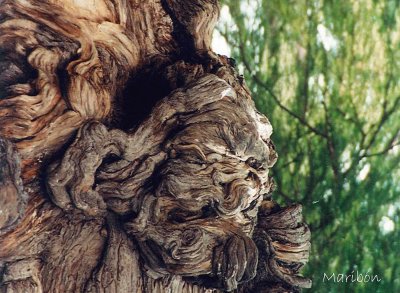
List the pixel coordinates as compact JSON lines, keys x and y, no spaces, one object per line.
{"x":133,"y":158}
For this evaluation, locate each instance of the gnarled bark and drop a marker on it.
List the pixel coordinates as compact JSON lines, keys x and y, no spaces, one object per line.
{"x":144,"y":163}
{"x":12,"y":196}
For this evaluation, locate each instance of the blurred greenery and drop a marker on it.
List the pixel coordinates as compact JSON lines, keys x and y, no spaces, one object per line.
{"x":326,"y":73}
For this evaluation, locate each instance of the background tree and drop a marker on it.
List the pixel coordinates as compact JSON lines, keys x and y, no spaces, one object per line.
{"x":327,"y":72}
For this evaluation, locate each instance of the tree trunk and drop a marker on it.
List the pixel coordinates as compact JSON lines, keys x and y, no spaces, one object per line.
{"x":132,"y":156}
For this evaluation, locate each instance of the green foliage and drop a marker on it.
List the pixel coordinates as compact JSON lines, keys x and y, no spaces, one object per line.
{"x":326,"y":74}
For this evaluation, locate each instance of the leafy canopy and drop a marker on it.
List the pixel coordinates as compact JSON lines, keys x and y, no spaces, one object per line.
{"x":326,"y":74}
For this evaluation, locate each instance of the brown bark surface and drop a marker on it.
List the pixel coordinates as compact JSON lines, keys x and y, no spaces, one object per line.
{"x":132,"y":158}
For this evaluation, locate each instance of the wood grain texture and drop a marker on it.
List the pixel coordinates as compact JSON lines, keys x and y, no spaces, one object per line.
{"x":144,"y":162}
{"x":12,"y":195}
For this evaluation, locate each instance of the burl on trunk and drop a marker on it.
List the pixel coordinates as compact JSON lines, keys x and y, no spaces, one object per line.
{"x":132,"y":158}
